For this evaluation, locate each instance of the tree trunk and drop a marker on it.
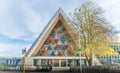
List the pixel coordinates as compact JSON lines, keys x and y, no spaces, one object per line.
{"x":89,"y":60}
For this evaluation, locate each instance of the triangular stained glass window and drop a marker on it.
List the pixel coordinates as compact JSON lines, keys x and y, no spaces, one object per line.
{"x":56,"y":27}
{"x":68,"y":49}
{"x":63,"y":29}
{"x":59,"y":42}
{"x":59,"y":46}
{"x":49,"y":40}
{"x":46,"y":54}
{"x":53,"y":32}
{"x":62,"y":52}
{"x":59,"y":54}
{"x":56,"y":40}
{"x":66,"y":46}
{"x":39,"y":54}
{"x":56,"y":52}
{"x":42,"y":52}
{"x":62,"y":48}
{"x":52,"y":46}
{"x":46,"y":42}
{"x":43,"y":48}
{"x":62,"y":39}
{"x":49,"y":37}
{"x":52,"y":42}
{"x":59,"y":32}
{"x":53,"y":35}
{"x":56,"y":48}
{"x":59,"y":35}
{"x":63,"y":36}
{"x":49,"y":48}
{"x":52,"y":54}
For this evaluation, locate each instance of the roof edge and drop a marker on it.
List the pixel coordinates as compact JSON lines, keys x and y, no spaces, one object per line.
{"x":59,"y":12}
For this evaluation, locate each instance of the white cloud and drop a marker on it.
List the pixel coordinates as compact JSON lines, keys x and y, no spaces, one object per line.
{"x":8,"y":24}
{"x":112,"y":11}
{"x":25,"y":19}
{"x":19,"y":18}
{"x":8,"y":49}
{"x":31,"y":18}
{"x":13,"y":28}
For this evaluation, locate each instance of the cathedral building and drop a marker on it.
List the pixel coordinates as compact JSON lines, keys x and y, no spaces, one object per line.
{"x":55,"y":45}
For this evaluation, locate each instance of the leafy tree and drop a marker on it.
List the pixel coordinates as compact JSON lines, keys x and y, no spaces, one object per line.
{"x":95,"y":31}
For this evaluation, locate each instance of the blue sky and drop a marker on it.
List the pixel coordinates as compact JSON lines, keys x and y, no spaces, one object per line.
{"x":21,"y":21}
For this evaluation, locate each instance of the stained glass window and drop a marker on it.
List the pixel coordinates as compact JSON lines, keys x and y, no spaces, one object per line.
{"x":57,"y":43}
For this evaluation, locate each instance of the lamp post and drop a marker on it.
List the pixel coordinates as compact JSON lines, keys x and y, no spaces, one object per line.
{"x":79,"y":49}
{"x":24,"y":59}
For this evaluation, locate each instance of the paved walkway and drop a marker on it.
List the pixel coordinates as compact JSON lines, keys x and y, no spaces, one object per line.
{"x":19,"y":72}
{"x":30,"y":72}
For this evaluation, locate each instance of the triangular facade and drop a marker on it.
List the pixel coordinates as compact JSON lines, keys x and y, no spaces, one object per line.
{"x":55,"y":39}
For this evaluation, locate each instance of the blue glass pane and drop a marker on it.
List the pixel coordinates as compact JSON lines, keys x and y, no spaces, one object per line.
{"x":63,"y":37}
{"x":53,"y":35}
{"x":49,"y":48}
{"x":62,"y":48}
{"x":46,"y":42}
{"x":52,"y":54}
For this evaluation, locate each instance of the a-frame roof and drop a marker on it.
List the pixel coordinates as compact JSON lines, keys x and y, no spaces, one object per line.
{"x":59,"y":15}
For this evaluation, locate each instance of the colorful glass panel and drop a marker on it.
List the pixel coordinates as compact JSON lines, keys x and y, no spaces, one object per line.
{"x":62,"y":39}
{"x":39,"y":54}
{"x":46,"y":42}
{"x":56,"y":48}
{"x":52,"y":54}
{"x":59,"y":46}
{"x":53,"y":35}
{"x":49,"y":48}
{"x":46,"y":54}
{"x":62,"y":48}
{"x":49,"y":37}
{"x":53,"y":32}
{"x":63,"y":52}
{"x":56,"y":40}
{"x":57,"y":43}
{"x":59,"y":54}
{"x":42,"y":52}
{"x":52,"y":42}
{"x":66,"y":46}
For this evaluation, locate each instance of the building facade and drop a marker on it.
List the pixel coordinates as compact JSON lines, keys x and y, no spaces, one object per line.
{"x":55,"y":45}
{"x":10,"y":61}
{"x":114,"y":58}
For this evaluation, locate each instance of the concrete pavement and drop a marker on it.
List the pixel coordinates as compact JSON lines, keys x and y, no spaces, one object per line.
{"x":32,"y":72}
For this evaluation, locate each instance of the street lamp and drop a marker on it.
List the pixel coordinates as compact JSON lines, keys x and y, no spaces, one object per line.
{"x":79,"y":49}
{"x":24,"y":59}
